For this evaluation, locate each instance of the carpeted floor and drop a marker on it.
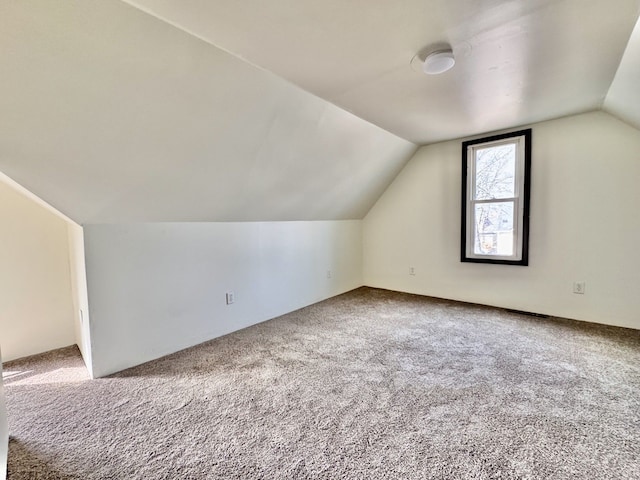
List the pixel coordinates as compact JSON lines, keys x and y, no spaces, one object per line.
{"x":368,"y":385}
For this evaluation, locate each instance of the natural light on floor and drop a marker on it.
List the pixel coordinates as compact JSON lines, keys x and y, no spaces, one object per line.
{"x":61,"y":375}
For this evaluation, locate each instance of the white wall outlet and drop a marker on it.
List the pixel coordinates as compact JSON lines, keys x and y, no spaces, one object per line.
{"x":578,"y":287}
{"x":412,"y":270}
{"x":231,"y":297}
{"x":328,"y":273}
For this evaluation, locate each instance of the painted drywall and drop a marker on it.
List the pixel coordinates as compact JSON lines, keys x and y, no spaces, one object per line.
{"x":112,"y":115}
{"x":157,"y":288}
{"x":80,"y":300}
{"x":584,"y":227}
{"x":623,"y":98}
{"x":36,"y":312}
{"x":4,"y":429}
{"x":516,"y":61}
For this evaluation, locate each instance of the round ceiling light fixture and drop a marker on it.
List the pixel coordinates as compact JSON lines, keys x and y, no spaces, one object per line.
{"x":438,"y":62}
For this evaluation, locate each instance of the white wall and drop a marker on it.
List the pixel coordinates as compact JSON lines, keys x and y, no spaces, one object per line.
{"x":35,"y":288}
{"x":79,"y":292}
{"x":157,"y":288}
{"x":584,"y":227}
{"x":4,"y":429}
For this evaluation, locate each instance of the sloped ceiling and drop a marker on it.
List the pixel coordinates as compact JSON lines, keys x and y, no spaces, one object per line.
{"x":112,"y":115}
{"x":226,"y":110}
{"x":518,"y":61}
{"x":623,"y":99}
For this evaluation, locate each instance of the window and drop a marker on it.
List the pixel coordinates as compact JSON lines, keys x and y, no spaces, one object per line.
{"x":495,"y":199}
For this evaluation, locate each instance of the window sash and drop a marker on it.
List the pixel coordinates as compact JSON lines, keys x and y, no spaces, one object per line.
{"x":473,"y":233}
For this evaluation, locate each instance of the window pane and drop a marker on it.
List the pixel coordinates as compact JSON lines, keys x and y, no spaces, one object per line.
{"x":495,"y":172}
{"x":494,"y":229}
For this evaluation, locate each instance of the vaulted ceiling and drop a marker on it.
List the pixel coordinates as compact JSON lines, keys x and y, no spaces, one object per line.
{"x":199,"y":110}
{"x":623,"y":98}
{"x":112,"y":115}
{"x":518,"y":61}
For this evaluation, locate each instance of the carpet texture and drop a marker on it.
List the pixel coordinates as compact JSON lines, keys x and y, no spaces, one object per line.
{"x":371,"y":384}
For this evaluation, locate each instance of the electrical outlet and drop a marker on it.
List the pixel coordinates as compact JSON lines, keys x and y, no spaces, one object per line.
{"x":578,"y":287}
{"x":328,"y":273}
{"x":231,"y":297}
{"x":412,"y":270}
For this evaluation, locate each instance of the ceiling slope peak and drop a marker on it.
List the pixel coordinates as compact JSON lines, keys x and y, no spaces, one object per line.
{"x":111,"y":115}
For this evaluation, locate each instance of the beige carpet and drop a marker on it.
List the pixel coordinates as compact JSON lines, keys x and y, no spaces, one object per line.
{"x":368,"y":385}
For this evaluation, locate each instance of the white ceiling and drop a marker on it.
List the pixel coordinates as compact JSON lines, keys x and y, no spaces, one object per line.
{"x":623,"y":99}
{"x":518,"y":61}
{"x":111,"y":115}
{"x":242,"y":112}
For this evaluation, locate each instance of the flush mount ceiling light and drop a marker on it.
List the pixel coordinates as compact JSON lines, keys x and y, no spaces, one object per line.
{"x":439,"y":62}
{"x":433,"y":62}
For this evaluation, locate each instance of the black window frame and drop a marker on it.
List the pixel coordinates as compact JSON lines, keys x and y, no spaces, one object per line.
{"x":525,"y":196}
